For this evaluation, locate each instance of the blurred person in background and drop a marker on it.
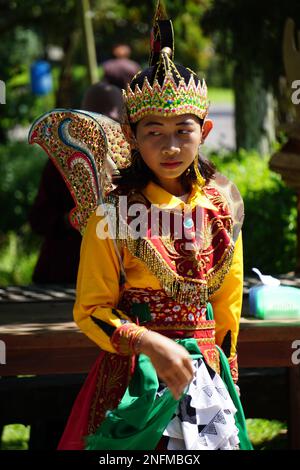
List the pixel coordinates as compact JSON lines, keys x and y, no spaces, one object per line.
{"x":120,"y":70}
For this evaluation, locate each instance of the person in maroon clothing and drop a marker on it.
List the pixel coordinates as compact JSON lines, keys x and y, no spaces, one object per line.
{"x":49,"y":216}
{"x":59,"y":255}
{"x":120,"y":70}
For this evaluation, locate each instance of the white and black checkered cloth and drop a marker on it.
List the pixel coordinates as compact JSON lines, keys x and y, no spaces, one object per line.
{"x":204,"y":419}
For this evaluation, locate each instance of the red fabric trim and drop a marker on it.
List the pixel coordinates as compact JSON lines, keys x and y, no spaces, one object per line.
{"x":77,"y":425}
{"x":165,"y":311}
{"x":234,"y":369}
{"x":96,"y":396}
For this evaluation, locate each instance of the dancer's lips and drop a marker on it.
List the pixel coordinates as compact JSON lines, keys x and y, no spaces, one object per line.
{"x":171,"y":164}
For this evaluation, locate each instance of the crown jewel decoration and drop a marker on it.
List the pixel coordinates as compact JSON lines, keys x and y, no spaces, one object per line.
{"x":170,"y":93}
{"x":167,"y":100}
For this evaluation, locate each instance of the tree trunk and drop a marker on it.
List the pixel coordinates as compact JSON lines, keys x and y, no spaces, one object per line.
{"x":254,"y":110}
{"x":297,"y":269}
{"x":65,"y":91}
{"x":89,"y":41}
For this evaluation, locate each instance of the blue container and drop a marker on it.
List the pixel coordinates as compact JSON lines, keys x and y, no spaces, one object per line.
{"x":41,"y":78}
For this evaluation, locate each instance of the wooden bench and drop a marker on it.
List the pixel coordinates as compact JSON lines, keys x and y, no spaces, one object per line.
{"x":41,"y":339}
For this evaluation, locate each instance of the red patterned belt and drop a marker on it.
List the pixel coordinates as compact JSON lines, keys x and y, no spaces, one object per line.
{"x":173,"y":319}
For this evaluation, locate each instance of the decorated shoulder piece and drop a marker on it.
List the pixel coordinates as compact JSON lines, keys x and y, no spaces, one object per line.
{"x":234,"y":200}
{"x":86,"y":148}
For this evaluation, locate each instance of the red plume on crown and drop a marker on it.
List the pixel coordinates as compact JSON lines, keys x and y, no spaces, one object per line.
{"x":162,"y":34}
{"x":169,"y":93}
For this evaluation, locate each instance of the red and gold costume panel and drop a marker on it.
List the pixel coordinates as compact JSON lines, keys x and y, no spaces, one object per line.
{"x":174,"y":284}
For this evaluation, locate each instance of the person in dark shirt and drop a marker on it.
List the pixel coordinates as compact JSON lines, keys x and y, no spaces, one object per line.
{"x":120,"y":70}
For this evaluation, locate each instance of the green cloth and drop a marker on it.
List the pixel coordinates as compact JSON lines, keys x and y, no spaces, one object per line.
{"x":239,"y":417}
{"x":240,"y":421}
{"x":141,"y":417}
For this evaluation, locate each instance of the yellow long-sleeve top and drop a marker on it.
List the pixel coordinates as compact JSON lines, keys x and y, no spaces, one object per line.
{"x":98,"y":290}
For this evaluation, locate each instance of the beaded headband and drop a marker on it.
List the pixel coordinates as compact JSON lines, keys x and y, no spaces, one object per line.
{"x":170,"y":99}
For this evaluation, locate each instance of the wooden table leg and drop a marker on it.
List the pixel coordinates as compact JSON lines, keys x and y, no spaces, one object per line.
{"x":294,"y":407}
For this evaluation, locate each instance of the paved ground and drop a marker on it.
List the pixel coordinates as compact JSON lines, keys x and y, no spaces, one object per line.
{"x":223,"y":132}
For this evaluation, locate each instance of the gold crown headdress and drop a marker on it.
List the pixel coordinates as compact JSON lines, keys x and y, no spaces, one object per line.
{"x":165,"y":89}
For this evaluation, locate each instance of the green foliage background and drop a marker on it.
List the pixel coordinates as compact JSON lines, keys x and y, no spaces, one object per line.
{"x":269,"y":230}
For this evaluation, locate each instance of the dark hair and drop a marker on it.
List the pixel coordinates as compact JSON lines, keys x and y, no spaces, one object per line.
{"x":138,"y":174}
{"x":103,"y":98}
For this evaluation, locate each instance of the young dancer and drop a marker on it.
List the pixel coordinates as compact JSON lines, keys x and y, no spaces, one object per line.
{"x":160,"y":280}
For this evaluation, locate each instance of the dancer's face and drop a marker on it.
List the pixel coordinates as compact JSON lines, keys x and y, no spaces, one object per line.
{"x":168,"y":145}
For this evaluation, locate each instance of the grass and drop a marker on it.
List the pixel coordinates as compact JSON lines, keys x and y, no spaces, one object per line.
{"x":267,"y":435}
{"x":220,"y":95}
{"x":15,"y":437}
{"x":264,"y":435}
{"x":16,"y":262}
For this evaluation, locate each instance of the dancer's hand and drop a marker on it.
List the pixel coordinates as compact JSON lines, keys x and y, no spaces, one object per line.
{"x":171,"y":361}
